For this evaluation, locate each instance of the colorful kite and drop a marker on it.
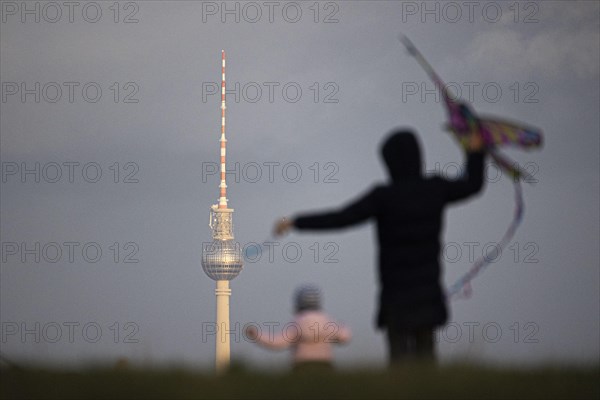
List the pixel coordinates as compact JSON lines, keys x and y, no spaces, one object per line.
{"x":462,"y":121}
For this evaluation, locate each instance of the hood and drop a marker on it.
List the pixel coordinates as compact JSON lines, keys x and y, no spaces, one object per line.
{"x":402,"y":155}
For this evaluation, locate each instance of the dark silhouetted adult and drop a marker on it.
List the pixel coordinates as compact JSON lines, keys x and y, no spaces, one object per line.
{"x":409,"y":211}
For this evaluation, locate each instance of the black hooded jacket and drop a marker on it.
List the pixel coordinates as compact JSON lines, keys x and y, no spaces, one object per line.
{"x":409,"y":213}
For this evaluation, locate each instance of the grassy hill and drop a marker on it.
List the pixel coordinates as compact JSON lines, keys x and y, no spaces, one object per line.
{"x":410,"y":381}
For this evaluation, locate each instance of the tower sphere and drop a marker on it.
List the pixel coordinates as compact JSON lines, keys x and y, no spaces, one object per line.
{"x":222,"y":259}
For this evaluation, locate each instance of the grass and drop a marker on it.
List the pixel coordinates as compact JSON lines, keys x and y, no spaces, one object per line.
{"x":410,"y":382}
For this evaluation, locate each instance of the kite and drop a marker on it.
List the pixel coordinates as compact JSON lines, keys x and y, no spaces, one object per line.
{"x":462,"y":121}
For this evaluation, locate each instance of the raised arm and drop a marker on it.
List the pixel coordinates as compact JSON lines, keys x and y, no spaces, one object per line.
{"x":471,"y":183}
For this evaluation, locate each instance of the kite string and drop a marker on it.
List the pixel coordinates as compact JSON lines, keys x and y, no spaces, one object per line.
{"x":462,"y":287}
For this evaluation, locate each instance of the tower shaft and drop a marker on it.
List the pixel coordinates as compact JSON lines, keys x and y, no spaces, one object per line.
{"x":222,"y":349}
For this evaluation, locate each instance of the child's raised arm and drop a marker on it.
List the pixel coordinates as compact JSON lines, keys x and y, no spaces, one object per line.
{"x":277,"y":342}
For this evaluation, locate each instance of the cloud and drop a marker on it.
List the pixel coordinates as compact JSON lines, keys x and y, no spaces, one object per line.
{"x":561,"y":49}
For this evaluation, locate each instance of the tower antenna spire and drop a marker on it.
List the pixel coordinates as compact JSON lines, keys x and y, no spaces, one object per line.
{"x":223,"y":185}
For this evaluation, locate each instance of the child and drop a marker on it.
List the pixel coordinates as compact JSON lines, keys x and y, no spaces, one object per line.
{"x":310,"y":336}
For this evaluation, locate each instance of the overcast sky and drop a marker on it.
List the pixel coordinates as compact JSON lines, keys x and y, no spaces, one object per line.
{"x":102,"y":238}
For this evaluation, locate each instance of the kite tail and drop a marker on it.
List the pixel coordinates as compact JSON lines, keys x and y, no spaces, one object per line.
{"x":462,"y":287}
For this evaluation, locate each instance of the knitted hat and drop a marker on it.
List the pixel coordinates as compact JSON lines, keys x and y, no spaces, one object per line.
{"x":308,"y":297}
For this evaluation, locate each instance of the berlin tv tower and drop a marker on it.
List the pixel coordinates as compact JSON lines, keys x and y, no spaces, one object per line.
{"x":222,"y":259}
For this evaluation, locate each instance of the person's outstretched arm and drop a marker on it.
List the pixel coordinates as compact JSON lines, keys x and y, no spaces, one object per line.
{"x":275,"y":342}
{"x":354,"y":213}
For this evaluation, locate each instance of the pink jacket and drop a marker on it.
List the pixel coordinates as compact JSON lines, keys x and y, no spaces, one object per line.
{"x":310,"y":337}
